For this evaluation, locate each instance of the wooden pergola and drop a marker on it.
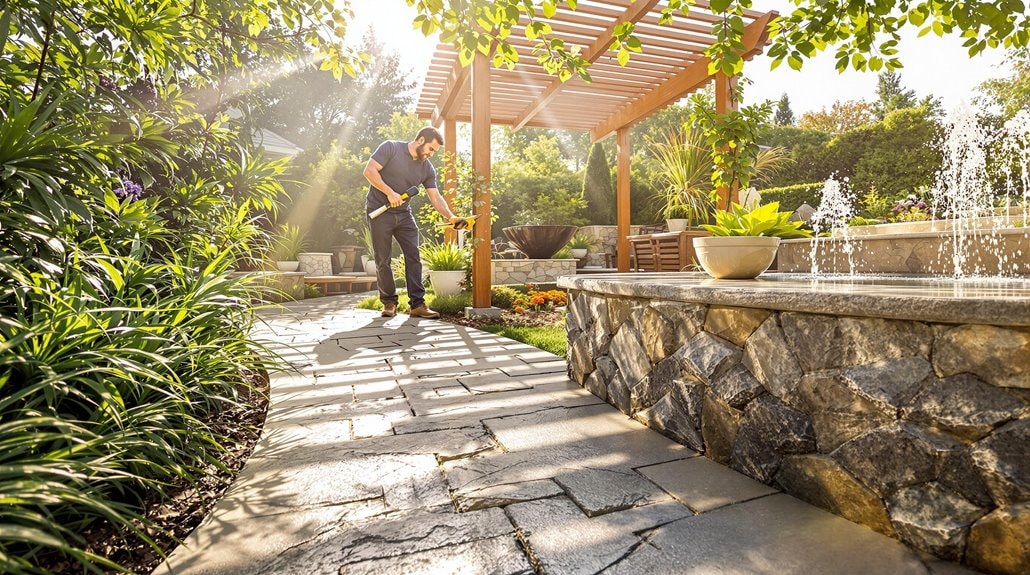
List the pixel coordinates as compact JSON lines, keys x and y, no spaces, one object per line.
{"x":671,"y":66}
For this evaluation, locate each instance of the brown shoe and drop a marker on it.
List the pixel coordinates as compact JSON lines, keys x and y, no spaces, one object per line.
{"x":389,"y":309}
{"x":423,"y":311}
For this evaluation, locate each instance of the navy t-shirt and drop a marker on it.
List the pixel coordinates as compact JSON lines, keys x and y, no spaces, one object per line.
{"x":400,"y":172}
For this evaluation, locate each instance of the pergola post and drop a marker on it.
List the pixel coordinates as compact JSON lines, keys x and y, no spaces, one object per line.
{"x":481,"y":167}
{"x":450,"y":170}
{"x":723,"y":103}
{"x":622,"y":198}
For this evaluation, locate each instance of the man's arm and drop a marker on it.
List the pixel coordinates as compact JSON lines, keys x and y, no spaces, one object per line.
{"x":441,"y":206}
{"x":372,"y":169}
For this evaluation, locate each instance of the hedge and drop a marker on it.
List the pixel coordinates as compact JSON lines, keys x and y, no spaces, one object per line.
{"x":791,"y":197}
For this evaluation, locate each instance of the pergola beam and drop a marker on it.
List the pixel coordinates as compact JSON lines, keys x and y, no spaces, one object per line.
{"x":694,"y":76}
{"x":634,"y":12}
{"x":453,"y":95}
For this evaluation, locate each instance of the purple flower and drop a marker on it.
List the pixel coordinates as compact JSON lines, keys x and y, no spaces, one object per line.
{"x":107,"y":83}
{"x":129,"y":190}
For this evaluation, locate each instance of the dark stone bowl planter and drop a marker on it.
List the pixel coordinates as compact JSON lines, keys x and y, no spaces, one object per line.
{"x":540,"y":242}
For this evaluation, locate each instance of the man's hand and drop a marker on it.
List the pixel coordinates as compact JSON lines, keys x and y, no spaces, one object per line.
{"x":459,"y":223}
{"x":394,"y":198}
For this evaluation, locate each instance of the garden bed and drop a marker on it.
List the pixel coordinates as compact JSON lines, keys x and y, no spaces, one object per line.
{"x":184,"y":506}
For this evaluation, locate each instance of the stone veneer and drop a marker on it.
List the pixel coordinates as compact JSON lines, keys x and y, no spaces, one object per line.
{"x":505,"y":272}
{"x":919,"y":430}
{"x":316,"y":263}
{"x":929,"y":253}
{"x":606,"y":237}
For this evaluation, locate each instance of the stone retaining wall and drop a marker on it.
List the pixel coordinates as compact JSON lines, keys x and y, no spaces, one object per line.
{"x":918,"y":430}
{"x":606,"y":238}
{"x":316,"y":263}
{"x":506,"y":272}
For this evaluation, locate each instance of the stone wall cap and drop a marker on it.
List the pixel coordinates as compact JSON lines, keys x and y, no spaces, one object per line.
{"x":1003,"y":301}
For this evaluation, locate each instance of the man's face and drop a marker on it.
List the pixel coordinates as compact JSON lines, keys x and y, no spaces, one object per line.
{"x":426,"y":149}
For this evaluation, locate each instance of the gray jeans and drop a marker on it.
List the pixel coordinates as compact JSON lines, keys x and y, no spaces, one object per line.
{"x":399,"y":226}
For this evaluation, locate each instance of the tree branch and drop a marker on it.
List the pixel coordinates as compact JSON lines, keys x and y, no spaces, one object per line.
{"x":43,"y":56}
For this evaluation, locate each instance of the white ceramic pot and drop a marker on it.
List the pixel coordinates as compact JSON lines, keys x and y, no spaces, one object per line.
{"x":287,"y":265}
{"x":578,"y":253}
{"x":446,"y":282}
{"x":735,"y":257}
{"x":677,"y":224}
{"x":370,"y":268}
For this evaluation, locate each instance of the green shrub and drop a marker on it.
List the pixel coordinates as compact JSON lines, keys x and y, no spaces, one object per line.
{"x":288,"y":242}
{"x":860,"y":221}
{"x":563,"y":254}
{"x":582,"y":242}
{"x":444,"y":256}
{"x":875,"y":205}
{"x":790,"y":198}
{"x":503,"y":296}
{"x":125,"y":204}
{"x":372,"y":302}
{"x":311,"y":290}
{"x":450,"y":304}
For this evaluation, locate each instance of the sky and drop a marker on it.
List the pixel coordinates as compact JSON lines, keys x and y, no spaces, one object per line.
{"x":932,"y":66}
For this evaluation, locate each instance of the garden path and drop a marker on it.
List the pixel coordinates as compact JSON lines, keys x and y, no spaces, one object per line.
{"x":407,"y":446}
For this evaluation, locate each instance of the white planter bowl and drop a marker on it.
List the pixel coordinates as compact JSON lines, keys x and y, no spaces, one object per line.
{"x":287,"y":265}
{"x":579,"y":253}
{"x":446,"y":282}
{"x":735,"y":257}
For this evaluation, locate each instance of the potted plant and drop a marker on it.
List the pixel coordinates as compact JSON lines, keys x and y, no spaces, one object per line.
{"x":285,"y":246}
{"x":580,"y":244}
{"x":684,"y":175}
{"x":447,"y":264}
{"x":367,"y":259}
{"x":744,"y":242}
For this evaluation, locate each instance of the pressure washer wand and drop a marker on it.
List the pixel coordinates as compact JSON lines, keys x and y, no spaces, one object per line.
{"x":462,"y":224}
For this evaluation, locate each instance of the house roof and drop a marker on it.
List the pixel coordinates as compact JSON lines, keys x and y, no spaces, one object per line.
{"x":671,"y":66}
{"x":274,"y":144}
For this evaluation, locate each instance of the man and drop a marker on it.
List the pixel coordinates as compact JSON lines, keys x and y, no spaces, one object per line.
{"x":393,"y":168}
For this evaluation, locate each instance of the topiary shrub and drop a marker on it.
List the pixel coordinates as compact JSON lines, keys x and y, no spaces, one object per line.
{"x":791,"y":197}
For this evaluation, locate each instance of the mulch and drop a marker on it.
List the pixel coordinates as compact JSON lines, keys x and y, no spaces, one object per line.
{"x":186,"y":506}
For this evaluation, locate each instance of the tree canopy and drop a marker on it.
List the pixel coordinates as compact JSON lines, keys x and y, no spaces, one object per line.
{"x":865,"y":34}
{"x":1010,"y":94}
{"x":784,"y":115}
{"x":313,"y":108}
{"x":839,"y":118}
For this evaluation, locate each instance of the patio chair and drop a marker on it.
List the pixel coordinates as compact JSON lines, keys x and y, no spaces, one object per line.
{"x":643,"y":254}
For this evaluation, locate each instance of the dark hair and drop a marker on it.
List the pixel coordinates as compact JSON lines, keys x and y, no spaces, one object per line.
{"x":430,"y":133}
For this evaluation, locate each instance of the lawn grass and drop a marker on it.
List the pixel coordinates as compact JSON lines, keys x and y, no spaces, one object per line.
{"x":548,"y":338}
{"x":372,"y":302}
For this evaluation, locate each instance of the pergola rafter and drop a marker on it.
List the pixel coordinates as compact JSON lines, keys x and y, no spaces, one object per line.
{"x":672,"y":66}
{"x":633,"y":13}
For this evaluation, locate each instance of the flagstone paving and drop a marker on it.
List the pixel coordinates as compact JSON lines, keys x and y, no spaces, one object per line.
{"x":407,"y":446}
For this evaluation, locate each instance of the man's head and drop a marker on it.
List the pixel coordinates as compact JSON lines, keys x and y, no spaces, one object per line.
{"x":427,"y":142}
